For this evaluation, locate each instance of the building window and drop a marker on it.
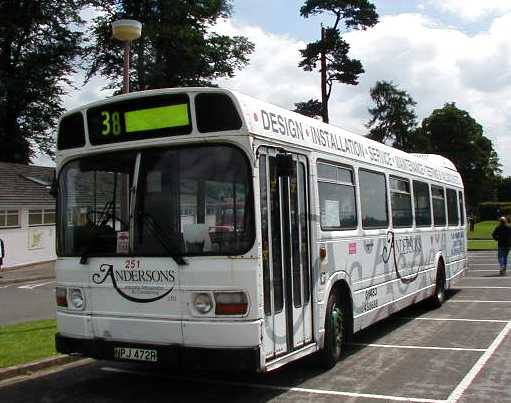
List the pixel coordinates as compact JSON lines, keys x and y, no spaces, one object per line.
{"x":41,"y":217}
{"x":9,"y":218}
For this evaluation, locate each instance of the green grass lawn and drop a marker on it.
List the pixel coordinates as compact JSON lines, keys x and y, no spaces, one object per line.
{"x":482,"y":244}
{"x":480,"y":238}
{"x":27,"y":342}
{"x":483,"y":230}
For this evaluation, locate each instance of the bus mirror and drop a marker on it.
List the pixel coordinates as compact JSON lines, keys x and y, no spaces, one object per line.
{"x":285,"y":165}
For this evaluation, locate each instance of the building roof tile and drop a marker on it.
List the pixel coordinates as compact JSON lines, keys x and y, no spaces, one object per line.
{"x":24,"y":185}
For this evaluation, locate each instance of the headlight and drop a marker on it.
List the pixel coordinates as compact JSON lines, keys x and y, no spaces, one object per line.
{"x":202,"y":303}
{"x":76,"y":297}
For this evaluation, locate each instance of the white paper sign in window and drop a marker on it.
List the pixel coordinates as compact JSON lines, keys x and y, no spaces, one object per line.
{"x":331,"y":217}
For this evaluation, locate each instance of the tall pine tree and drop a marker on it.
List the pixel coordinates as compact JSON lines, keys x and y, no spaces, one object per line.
{"x":178,"y":46}
{"x":330,"y":53}
{"x":39,"y":40}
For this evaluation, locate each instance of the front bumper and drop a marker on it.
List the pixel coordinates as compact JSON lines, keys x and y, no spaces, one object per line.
{"x":245,"y":359}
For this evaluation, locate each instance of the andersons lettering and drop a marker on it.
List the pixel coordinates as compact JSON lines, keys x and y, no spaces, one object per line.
{"x":136,"y":284}
{"x":304,"y":132}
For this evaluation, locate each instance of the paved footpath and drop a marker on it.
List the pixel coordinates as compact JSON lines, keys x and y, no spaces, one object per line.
{"x":31,"y":272}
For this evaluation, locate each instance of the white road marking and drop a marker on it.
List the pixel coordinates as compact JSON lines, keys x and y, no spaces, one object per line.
{"x":279,"y":388}
{"x":479,"y":301}
{"x":485,"y":278}
{"x":493,"y":270}
{"x":470,"y":376}
{"x":483,"y":264}
{"x":459,"y":320}
{"x":419,"y":347}
{"x":484,"y":287}
{"x":32,"y":286}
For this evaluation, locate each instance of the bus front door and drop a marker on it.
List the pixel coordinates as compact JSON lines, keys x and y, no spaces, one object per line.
{"x":286,"y":255}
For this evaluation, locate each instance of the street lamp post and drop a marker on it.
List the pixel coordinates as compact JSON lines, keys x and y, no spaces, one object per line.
{"x":126,"y":31}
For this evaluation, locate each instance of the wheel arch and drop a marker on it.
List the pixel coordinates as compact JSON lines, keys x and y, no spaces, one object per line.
{"x":339,"y":283}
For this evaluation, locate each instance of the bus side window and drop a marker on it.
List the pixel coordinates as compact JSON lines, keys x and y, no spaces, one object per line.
{"x":401,"y":202}
{"x":422,"y":204}
{"x":373,"y":199}
{"x":462,"y":207}
{"x":452,"y":208}
{"x":336,"y":187}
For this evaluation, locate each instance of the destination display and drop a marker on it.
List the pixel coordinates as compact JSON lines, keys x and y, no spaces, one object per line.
{"x":141,"y":118}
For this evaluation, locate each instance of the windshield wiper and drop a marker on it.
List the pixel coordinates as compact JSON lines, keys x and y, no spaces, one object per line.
{"x":163,"y":238}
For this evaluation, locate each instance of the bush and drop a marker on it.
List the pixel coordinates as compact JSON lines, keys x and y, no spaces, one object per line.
{"x":493,"y":210}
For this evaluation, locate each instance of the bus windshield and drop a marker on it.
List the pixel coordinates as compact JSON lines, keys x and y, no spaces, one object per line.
{"x":181,"y":201}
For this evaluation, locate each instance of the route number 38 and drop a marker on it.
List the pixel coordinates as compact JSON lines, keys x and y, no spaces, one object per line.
{"x":111,"y":123}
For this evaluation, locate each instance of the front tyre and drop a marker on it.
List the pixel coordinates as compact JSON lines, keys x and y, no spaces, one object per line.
{"x":334,"y":333}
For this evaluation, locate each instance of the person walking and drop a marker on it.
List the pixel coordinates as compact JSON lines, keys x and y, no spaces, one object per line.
{"x":502,"y":234}
{"x":2,"y":254}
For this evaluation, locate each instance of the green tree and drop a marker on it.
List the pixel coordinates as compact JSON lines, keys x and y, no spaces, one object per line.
{"x":331,"y":52}
{"x":311,"y":108}
{"x":453,"y":133}
{"x":393,"y":119}
{"x":504,"y":189}
{"x":39,"y":40}
{"x":178,"y":46}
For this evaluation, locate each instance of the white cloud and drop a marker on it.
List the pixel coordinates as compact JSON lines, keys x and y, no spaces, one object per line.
{"x":433,"y":63}
{"x":472,"y":9}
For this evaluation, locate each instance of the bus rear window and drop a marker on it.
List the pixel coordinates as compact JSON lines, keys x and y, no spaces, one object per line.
{"x":216,"y":113}
{"x":71,"y":132}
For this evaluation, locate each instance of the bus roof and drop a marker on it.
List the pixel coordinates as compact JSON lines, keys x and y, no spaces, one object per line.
{"x":265,"y":120}
{"x":270,"y":121}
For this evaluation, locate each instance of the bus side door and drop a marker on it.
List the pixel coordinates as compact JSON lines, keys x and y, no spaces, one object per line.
{"x":286,"y":254}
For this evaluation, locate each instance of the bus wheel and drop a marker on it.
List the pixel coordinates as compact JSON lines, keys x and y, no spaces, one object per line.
{"x":438,"y":297}
{"x":334,"y":332}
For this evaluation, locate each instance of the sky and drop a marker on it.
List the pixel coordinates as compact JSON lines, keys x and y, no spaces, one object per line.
{"x":438,"y":51}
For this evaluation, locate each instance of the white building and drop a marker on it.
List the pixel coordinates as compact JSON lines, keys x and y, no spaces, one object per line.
{"x":27,"y":214}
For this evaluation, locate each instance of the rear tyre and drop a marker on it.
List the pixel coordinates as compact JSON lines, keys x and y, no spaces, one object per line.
{"x":334,"y":333}
{"x":438,"y":297}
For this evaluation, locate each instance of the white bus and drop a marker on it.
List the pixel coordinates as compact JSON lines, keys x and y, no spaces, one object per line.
{"x":202,"y":227}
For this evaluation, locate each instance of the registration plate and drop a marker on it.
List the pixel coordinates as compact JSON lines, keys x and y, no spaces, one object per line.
{"x":136,"y":354}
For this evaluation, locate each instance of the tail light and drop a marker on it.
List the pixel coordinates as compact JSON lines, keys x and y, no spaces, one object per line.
{"x":231,"y":303}
{"x":61,"y":296}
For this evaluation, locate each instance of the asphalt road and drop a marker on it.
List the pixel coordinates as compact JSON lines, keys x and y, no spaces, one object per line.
{"x":457,"y":353}
{"x":23,"y":302}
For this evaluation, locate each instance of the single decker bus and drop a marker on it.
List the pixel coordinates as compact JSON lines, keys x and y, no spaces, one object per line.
{"x":202,"y":227}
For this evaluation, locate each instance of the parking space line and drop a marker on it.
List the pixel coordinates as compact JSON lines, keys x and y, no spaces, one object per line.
{"x":279,"y":388}
{"x":482,"y":264}
{"x":32,"y":286}
{"x":477,"y":286}
{"x":470,"y":376}
{"x":484,"y":278}
{"x":459,"y":320}
{"x":494,"y":270}
{"x":479,"y":301}
{"x":418,"y":347}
